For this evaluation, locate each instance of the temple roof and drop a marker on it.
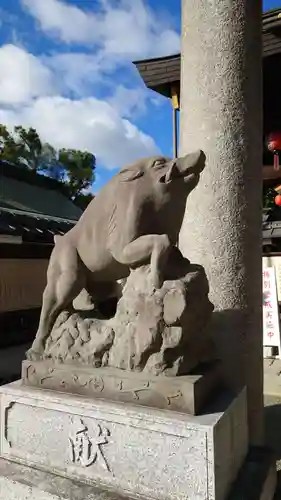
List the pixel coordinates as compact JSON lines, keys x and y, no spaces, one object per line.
{"x":24,"y":189}
{"x":33,"y":208}
{"x":18,"y":226}
{"x":159,"y":73}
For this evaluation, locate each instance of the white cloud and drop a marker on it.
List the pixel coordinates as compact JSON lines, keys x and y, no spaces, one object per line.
{"x":79,"y":72}
{"x":83,"y":73}
{"x":88,"y":123}
{"x":22,"y":76}
{"x":68,"y":22}
{"x":35,"y":91}
{"x":127,"y":29}
{"x":115,"y":33}
{"x":129,"y":101}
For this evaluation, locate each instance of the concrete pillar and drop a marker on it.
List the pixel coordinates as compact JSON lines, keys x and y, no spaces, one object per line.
{"x":221,"y":113}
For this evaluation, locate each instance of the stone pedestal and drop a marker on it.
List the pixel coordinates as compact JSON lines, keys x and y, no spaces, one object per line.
{"x":187,"y":394}
{"x":256,"y":481}
{"x":127,"y":449}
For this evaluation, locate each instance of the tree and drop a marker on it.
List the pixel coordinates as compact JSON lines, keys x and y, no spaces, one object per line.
{"x":79,"y":167}
{"x":268,"y":198}
{"x":10,"y":150}
{"x":24,"y":148}
{"x":30,"y":147}
{"x":83,"y":200}
{"x":50,"y":164}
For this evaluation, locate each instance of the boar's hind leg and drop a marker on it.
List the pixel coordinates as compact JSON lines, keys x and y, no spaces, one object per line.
{"x":151,"y":248}
{"x":64,"y":282}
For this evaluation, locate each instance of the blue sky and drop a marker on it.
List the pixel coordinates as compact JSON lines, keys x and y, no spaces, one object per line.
{"x":65,"y":69}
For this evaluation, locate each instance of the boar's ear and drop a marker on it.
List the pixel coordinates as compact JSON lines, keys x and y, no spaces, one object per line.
{"x":130,"y":174}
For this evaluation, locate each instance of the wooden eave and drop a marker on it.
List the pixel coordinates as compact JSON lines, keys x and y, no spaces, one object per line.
{"x":32,"y":227}
{"x":160,"y":73}
{"x":270,"y":174}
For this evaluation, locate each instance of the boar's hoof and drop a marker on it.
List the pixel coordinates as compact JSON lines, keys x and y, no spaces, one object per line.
{"x":34,"y":355}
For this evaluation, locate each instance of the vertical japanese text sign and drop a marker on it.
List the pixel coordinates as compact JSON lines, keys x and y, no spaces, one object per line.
{"x":271,"y":323}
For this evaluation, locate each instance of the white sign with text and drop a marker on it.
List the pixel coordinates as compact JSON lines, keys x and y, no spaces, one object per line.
{"x":271,"y":321}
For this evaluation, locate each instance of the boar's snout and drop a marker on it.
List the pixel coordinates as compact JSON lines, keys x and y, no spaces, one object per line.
{"x":192,"y":163}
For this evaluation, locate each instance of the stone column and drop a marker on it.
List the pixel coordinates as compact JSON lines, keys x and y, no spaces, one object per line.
{"x":221,"y":113}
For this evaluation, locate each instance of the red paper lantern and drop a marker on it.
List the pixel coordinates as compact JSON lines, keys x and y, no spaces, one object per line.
{"x":274,"y":145}
{"x":278,"y":200}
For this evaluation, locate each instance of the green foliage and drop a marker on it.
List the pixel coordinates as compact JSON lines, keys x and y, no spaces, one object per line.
{"x":24,"y":148}
{"x":29,"y":146}
{"x":268,"y":198}
{"x":10,"y":149}
{"x":79,"y":167}
{"x":50,"y":164}
{"x":83,"y":200}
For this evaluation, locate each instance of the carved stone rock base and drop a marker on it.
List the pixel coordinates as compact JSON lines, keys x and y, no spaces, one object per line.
{"x":154,"y":331}
{"x":132,"y":450}
{"x":184,"y":393}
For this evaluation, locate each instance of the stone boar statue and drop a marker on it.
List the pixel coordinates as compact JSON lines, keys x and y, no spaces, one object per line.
{"x":135,"y":219}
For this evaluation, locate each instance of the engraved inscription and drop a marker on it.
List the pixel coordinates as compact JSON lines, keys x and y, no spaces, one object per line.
{"x":118,"y":387}
{"x":179,"y":394}
{"x":137,"y":391}
{"x":133,"y":390}
{"x":86,"y":449}
{"x":97,"y":383}
{"x":6,"y":413}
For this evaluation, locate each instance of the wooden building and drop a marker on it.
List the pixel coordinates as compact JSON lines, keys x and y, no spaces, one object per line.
{"x":163,"y":76}
{"x":33,"y":208}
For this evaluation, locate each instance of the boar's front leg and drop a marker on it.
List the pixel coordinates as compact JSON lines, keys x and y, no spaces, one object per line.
{"x":153,"y":248}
